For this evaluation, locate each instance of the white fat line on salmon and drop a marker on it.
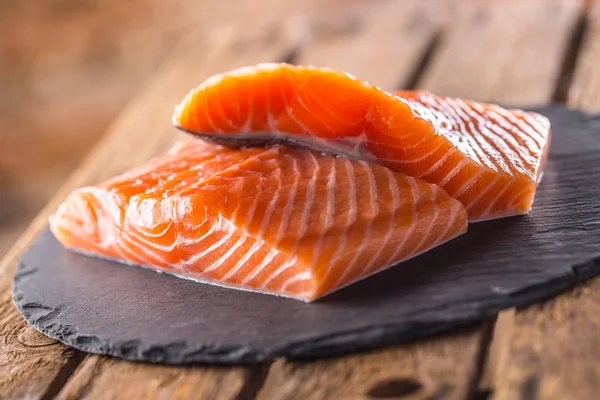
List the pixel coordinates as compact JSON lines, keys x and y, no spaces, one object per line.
{"x":350,"y":219}
{"x":498,"y":196}
{"x":290,"y":113}
{"x":289,"y":204}
{"x":373,"y":201}
{"x":206,"y":110}
{"x":436,"y":213}
{"x":482,"y":193}
{"x":125,"y":252}
{"x":182,"y":241}
{"x":269,"y":257}
{"x":109,"y":204}
{"x":106,"y":221}
{"x":272,"y":203}
{"x":279,"y":270}
{"x":230,"y":229}
{"x":330,"y":187}
{"x":249,"y":108}
{"x":456,"y":208}
{"x":310,"y":194}
{"x":454,"y":123}
{"x":450,"y":174}
{"x":247,"y":221}
{"x":303,"y":276}
{"x":242,"y":261}
{"x":450,"y":134}
{"x":538,"y":123}
{"x":267,"y":218}
{"x":221,"y":111}
{"x":528,"y":188}
{"x":478,"y":142}
{"x":421,"y":158}
{"x":503,"y":124}
{"x":414,"y":218}
{"x":391,"y":220}
{"x":470,"y":182}
{"x":143,"y":238}
{"x":523,"y":126}
{"x":283,"y":223}
{"x":495,"y":142}
{"x":225,"y":256}
{"x":130,"y":234}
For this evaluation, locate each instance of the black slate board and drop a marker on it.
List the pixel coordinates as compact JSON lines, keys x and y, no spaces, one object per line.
{"x":108,"y":308}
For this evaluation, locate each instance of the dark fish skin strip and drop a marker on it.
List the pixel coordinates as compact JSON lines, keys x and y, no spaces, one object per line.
{"x":258,"y":139}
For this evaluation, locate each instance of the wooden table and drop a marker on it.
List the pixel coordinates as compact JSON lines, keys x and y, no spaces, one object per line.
{"x":524,"y":52}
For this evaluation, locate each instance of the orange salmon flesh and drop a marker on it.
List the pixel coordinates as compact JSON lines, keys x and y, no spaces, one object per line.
{"x":282,"y":220}
{"x":488,"y":157}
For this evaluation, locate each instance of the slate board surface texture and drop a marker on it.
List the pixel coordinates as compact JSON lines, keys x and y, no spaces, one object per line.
{"x":108,"y":308}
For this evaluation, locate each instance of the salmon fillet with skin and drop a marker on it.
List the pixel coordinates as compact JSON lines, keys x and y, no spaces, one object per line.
{"x":487,"y":157}
{"x":282,"y":220}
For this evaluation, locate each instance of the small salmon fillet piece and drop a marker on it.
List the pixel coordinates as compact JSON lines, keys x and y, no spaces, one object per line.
{"x":286,"y":221}
{"x":488,"y":157}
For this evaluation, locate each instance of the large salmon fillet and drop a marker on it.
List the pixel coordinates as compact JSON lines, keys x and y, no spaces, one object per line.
{"x":282,"y":220}
{"x":488,"y":157}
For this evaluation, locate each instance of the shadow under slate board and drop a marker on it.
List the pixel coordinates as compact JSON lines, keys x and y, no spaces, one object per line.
{"x":105,"y":307}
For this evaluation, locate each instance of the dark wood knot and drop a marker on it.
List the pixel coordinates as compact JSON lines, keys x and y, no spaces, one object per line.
{"x":394,"y":388}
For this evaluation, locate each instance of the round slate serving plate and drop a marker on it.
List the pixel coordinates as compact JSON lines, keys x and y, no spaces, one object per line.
{"x":105,"y":307}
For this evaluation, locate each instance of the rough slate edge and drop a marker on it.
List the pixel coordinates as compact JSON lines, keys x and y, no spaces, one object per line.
{"x":41,"y":318}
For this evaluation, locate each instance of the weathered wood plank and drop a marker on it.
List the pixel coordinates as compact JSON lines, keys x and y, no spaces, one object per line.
{"x":552,"y":349}
{"x":438,"y":368}
{"x":586,"y":83}
{"x":448,"y":366}
{"x":104,"y":378}
{"x":507,"y":52}
{"x":380,"y":43}
{"x":143,"y":130}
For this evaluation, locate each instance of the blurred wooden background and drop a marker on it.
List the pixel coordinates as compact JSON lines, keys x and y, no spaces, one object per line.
{"x":67,"y":67}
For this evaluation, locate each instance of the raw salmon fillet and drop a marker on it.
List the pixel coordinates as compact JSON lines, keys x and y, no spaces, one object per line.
{"x":488,"y":157}
{"x":282,"y":220}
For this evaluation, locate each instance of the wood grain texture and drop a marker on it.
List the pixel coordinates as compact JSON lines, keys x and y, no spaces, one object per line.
{"x":381,"y":44}
{"x":522,"y":41}
{"x":102,"y":378}
{"x":435,"y":368}
{"x":462,"y":66}
{"x":551,"y":350}
{"x":29,"y":362}
{"x":586,"y":83}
